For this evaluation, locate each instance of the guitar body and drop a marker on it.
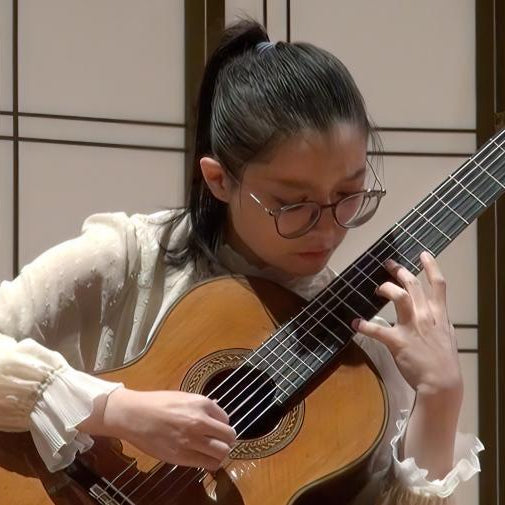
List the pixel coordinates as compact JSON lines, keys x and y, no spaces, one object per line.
{"x":315,"y":453}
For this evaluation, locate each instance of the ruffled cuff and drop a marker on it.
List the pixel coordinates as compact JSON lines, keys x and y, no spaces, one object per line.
{"x":66,"y":400}
{"x":410,"y":476}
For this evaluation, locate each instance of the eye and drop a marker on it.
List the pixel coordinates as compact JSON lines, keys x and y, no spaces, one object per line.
{"x":282,"y":202}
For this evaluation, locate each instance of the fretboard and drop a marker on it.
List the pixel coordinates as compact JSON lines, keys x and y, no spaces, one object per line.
{"x":297,"y":354}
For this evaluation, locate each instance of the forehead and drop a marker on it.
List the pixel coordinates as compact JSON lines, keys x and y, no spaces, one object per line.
{"x":318,"y":157}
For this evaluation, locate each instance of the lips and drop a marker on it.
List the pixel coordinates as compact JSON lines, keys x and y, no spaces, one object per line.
{"x":315,"y":254}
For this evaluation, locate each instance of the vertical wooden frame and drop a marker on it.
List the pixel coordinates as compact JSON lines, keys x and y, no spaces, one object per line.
{"x":204,"y":22}
{"x":490,"y":74}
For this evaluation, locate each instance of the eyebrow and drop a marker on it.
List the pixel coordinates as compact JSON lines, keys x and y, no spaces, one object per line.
{"x":304,"y":184}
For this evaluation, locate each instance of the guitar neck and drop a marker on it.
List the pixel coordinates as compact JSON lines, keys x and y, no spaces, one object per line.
{"x":302,"y":349}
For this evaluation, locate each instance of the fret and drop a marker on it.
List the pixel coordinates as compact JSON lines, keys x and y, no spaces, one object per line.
{"x":274,"y":356}
{"x":424,"y":234}
{"x":301,"y":335}
{"x":467,"y":190}
{"x":490,"y":175}
{"x":415,"y":267}
{"x":342,"y":300}
{"x":321,"y":316}
{"x":500,"y":146}
{"x":291,"y":340}
{"x":358,"y":292}
{"x":447,"y":206}
{"x":340,"y":321}
{"x":488,"y":188}
{"x":432,"y":224}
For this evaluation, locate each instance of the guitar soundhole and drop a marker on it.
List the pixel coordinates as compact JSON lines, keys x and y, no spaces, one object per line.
{"x":248,"y":396}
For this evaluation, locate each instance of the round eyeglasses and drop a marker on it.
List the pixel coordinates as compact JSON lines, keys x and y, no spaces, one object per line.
{"x":352,"y":211}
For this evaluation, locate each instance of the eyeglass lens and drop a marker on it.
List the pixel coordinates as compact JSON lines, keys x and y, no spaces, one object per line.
{"x":352,"y":211}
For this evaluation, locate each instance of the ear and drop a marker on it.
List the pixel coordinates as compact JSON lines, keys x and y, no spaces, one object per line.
{"x":216,"y":178}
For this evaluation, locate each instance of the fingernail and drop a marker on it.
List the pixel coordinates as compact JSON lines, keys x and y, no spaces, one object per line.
{"x":355,"y":323}
{"x":389,"y":263}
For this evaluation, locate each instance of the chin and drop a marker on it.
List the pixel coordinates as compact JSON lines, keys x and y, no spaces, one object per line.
{"x":305,"y":268}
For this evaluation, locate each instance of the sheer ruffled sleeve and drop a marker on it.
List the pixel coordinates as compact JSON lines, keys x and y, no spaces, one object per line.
{"x":394,"y":481}
{"x":57,"y":307}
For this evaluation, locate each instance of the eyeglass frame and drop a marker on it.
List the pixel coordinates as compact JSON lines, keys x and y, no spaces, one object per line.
{"x":275,"y":213}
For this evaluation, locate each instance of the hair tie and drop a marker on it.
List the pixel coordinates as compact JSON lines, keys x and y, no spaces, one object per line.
{"x":264,"y":46}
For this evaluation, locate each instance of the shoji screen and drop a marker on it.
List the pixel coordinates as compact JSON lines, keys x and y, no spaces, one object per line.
{"x":98,"y":122}
{"x":414,"y":62}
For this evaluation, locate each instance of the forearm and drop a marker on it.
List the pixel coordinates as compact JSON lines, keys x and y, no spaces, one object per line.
{"x":431,"y":431}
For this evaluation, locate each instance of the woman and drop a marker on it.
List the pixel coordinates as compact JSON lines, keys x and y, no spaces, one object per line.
{"x":280,"y":175}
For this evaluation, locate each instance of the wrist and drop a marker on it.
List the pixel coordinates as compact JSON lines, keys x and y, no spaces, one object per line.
{"x":103,"y":420}
{"x":444,"y":403}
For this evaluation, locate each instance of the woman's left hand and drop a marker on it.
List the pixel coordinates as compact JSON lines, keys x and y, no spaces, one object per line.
{"x":422,"y":342}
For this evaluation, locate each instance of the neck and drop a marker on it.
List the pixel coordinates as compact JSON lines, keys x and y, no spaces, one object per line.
{"x":232,"y":238}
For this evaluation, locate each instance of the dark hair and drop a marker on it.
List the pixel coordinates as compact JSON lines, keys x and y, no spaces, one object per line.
{"x":250,"y":100}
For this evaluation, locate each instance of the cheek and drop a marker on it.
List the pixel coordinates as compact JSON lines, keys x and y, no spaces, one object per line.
{"x":257,"y":231}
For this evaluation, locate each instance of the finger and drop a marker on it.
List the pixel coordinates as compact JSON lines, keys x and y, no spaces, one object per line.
{"x":212,"y":447}
{"x":378,"y":332}
{"x":409,"y":282}
{"x":221,"y":431}
{"x":435,"y":279}
{"x":214,"y":410}
{"x":400,"y":298}
{"x":197,"y":460}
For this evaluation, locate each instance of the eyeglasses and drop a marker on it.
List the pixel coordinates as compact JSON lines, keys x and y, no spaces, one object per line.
{"x":352,"y":211}
{"x":294,"y":220}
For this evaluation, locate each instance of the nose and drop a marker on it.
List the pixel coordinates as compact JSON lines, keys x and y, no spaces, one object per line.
{"x":327,"y":224}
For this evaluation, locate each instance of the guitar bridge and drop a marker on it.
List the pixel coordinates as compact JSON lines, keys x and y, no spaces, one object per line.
{"x":102,"y":496}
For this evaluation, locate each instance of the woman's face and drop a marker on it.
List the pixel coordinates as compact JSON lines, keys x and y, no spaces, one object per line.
{"x":317,"y":167}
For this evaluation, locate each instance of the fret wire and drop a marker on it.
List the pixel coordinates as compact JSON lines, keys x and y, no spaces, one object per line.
{"x":331,"y":313}
{"x":356,"y":291}
{"x":489,"y":174}
{"x":286,"y":348}
{"x":426,"y":240}
{"x":307,"y":332}
{"x":466,"y":189}
{"x":342,"y":300}
{"x":431,"y":223}
{"x":363,"y":273}
{"x":465,"y":165}
{"x":450,"y":208}
{"x":263,"y":371}
{"x":330,"y":331}
{"x":307,"y":349}
{"x":445,"y":204}
{"x":482,"y":184}
{"x":399,"y":252}
{"x":500,"y":146}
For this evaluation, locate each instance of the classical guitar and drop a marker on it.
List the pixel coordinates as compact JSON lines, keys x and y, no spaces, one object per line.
{"x":305,"y":400}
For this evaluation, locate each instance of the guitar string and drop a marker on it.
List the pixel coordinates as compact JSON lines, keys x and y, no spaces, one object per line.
{"x":481,"y":169}
{"x":329,"y":313}
{"x":484,"y":170}
{"x":389,"y":245}
{"x":493,"y":161}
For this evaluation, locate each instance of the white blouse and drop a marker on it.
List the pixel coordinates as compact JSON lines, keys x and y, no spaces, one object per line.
{"x":94,"y":302}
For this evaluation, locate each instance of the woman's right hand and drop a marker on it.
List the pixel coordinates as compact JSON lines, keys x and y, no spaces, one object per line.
{"x":179,"y":428}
